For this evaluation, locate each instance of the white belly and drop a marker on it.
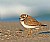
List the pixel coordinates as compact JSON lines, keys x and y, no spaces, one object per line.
{"x":26,"y":26}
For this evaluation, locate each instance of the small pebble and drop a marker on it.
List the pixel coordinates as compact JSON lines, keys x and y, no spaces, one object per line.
{"x":8,"y":30}
{"x":7,"y":38}
{"x":2,"y":39}
{"x":6,"y":35}
{"x":0,"y":33}
{"x":9,"y":35}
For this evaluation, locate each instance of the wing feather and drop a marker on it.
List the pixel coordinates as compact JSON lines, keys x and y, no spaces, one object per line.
{"x":31,"y":21}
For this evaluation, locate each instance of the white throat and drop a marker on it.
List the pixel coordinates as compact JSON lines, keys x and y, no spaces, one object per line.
{"x":26,"y":26}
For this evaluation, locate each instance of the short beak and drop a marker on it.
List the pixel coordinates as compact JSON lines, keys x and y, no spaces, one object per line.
{"x":19,"y":18}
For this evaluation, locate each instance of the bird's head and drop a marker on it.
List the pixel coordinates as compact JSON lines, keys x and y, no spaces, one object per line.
{"x":23,"y":17}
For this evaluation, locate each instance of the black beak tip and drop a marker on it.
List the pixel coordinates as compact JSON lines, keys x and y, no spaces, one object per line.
{"x":19,"y":18}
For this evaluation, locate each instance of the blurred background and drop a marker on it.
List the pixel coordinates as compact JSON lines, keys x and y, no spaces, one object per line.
{"x":10,"y":10}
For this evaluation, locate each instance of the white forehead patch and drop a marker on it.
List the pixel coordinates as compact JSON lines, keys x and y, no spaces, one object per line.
{"x":26,"y":15}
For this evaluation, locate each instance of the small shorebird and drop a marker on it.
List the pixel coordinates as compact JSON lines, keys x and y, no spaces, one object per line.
{"x":30,"y":22}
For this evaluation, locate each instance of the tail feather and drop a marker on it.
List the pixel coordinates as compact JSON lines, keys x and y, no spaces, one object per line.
{"x":44,"y":25}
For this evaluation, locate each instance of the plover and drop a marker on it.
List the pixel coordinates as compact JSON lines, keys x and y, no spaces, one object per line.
{"x":30,"y":22}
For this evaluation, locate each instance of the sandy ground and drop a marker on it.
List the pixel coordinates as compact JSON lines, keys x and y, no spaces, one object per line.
{"x":15,"y":32}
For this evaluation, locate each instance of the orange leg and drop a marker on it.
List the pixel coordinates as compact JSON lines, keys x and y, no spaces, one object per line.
{"x":30,"y":32}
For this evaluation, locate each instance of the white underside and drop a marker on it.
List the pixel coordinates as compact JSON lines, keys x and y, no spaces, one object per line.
{"x":26,"y":26}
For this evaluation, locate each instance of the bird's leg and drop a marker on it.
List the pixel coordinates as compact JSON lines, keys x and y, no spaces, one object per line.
{"x":25,"y":32}
{"x":30,"y":32}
